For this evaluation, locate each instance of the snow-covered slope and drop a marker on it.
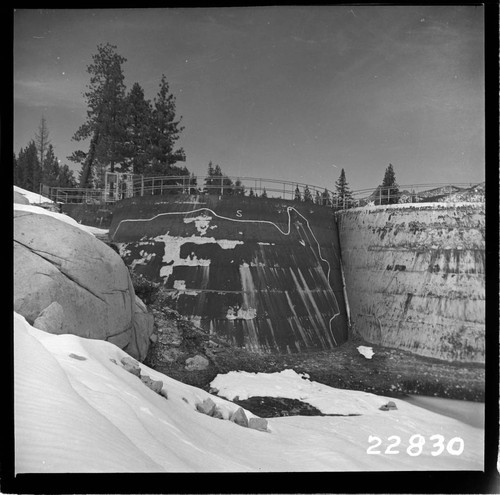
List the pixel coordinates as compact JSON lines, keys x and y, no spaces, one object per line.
{"x":60,"y":216}
{"x":78,"y":410}
{"x":33,"y":198}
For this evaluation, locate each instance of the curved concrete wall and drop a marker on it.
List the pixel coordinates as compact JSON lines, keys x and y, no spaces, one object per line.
{"x":263,"y":273}
{"x":414,"y":276}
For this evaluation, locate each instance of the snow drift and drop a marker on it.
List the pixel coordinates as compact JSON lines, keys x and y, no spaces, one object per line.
{"x":78,"y":410}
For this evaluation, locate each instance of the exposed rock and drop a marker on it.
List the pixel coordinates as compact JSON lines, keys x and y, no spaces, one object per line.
{"x":84,"y":276}
{"x":206,"y":407}
{"x":77,"y":357}
{"x":51,"y":319}
{"x":258,"y":424}
{"x":131,"y":365}
{"x":154,"y":385}
{"x":197,"y":363}
{"x":217,"y":413}
{"x":239,"y":417}
{"x":389,"y":406}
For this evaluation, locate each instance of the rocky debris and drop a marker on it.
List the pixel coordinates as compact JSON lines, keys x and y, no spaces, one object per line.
{"x":389,"y":406}
{"x":239,"y":417}
{"x":77,"y":357}
{"x":51,"y":319}
{"x":197,"y":363}
{"x":84,"y":276}
{"x":206,"y":407}
{"x":131,"y":365}
{"x":258,"y":424}
{"x":154,"y":385}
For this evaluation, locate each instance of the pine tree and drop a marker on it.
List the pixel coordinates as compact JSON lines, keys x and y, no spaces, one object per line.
{"x":164,"y":131}
{"x":239,"y":188}
{"x":42,"y":140}
{"x":50,"y":168}
{"x":29,"y":170}
{"x":307,"y":195}
{"x":209,"y":180}
{"x":390,"y":188}
{"x":343,"y":192}
{"x":65,"y":177}
{"x":139,"y":115}
{"x":325,"y":198}
{"x":297,"y":196}
{"x":106,"y":115}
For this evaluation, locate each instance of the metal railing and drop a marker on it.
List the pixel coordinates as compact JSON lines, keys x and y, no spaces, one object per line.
{"x":419,"y":193}
{"x":133,"y":185}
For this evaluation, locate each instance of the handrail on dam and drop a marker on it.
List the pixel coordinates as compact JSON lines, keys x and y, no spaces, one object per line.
{"x":125,"y":185}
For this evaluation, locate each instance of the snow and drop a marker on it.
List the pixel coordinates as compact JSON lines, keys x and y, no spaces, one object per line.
{"x":365,"y":351}
{"x":90,"y":415}
{"x":32,"y":197}
{"x":59,"y":216}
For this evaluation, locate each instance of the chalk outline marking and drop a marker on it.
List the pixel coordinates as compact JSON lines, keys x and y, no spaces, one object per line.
{"x":253,"y":221}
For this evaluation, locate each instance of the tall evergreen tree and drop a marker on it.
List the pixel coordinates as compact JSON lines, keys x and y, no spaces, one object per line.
{"x":209,"y":180}
{"x":390,"y":188}
{"x":42,"y":140}
{"x":50,"y":168}
{"x":165,"y":131}
{"x":297,"y":195}
{"x":139,"y":121}
{"x":343,"y":192}
{"x":106,"y":114}
{"x":29,"y":170}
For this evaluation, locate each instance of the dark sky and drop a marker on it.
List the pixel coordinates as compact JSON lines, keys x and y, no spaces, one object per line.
{"x":293,"y":93}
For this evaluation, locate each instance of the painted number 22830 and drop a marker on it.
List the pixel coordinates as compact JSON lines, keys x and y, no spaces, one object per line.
{"x":416,"y":443}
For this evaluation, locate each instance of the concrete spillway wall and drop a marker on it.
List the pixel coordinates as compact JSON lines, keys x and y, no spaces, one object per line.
{"x":415,"y":277}
{"x":263,"y":273}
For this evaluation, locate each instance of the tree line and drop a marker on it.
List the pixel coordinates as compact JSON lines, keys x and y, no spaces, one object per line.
{"x":127,"y":133}
{"x":37,"y":164}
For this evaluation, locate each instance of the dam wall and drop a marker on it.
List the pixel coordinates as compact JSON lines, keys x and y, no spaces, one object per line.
{"x":414,"y":277}
{"x":262,"y":273}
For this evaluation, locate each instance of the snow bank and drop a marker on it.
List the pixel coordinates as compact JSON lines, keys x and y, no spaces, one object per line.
{"x":77,"y":410}
{"x":59,"y":216}
{"x":32,"y":197}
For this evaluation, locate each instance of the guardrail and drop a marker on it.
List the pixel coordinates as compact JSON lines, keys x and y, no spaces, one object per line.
{"x":120,"y":186}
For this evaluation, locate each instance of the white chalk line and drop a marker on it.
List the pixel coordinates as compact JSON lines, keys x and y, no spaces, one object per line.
{"x":253,"y":221}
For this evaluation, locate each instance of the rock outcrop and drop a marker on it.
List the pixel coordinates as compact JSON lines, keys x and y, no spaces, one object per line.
{"x":55,"y":262}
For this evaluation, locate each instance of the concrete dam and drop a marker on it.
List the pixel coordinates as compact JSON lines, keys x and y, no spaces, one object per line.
{"x":280,"y":276}
{"x":415,"y":277}
{"x":264,"y":274}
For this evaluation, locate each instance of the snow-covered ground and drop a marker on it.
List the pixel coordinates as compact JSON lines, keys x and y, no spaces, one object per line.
{"x":33,"y":198}
{"x":31,"y":208}
{"x":78,"y":410}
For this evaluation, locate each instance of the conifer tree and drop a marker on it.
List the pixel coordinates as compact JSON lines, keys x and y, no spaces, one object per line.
{"x":390,"y":188}
{"x":264,"y":193}
{"x":139,"y":115}
{"x":307,"y":195}
{"x":297,"y":196}
{"x":343,"y":192}
{"x":50,"y":168}
{"x":42,"y":140}
{"x":29,"y":170}
{"x":325,"y":198}
{"x":164,"y":131}
{"x":106,"y":114}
